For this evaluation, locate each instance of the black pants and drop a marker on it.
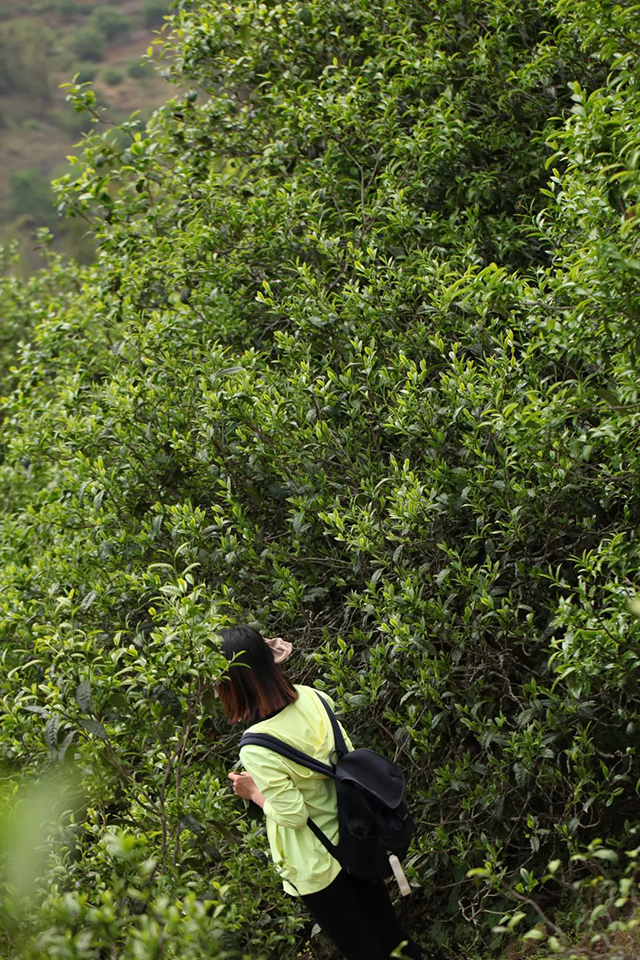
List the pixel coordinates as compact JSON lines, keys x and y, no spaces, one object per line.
{"x":358,"y":917}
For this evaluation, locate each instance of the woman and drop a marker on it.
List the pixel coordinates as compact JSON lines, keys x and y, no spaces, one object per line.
{"x":356,"y":915}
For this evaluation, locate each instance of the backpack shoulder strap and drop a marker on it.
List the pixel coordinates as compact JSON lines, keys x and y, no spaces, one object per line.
{"x":341,"y":746}
{"x":279,"y":746}
{"x":324,"y":840}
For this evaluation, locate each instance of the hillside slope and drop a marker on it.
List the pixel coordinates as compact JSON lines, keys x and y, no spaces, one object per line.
{"x":356,"y":362}
{"x":43,"y":43}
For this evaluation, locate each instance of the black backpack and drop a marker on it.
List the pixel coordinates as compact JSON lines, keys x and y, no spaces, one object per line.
{"x":373,"y":819}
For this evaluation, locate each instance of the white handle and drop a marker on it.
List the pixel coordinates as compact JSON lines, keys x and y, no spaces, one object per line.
{"x":398,"y":872}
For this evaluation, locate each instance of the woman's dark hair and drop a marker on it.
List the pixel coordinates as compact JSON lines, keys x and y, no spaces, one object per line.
{"x":254,"y":685}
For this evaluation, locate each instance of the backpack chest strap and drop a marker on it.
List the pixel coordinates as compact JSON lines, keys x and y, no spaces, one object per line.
{"x":285,"y":750}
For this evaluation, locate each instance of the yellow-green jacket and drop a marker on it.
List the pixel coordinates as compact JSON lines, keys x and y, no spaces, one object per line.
{"x":292,"y":793}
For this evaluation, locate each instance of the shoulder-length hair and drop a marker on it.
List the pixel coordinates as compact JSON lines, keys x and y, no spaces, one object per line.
{"x":254,"y":685}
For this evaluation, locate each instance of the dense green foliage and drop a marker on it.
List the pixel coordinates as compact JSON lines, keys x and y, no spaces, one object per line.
{"x":357,"y":362}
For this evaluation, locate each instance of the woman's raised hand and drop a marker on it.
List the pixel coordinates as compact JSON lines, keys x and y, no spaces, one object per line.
{"x":243,"y":785}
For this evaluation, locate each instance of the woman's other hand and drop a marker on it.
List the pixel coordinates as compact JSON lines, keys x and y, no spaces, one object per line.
{"x":244,"y":786}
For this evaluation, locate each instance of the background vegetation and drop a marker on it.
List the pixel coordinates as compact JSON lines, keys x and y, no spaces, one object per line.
{"x":42,"y":44}
{"x":356,"y":362}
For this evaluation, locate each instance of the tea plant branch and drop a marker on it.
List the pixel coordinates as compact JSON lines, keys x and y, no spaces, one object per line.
{"x":538,"y":909}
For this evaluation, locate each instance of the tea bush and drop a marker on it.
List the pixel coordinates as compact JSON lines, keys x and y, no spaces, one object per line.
{"x":357,"y":363}
{"x":108,"y":21}
{"x":87,"y":43}
{"x":25,"y":60}
{"x":139,"y":69}
{"x":603,"y":911}
{"x":66,"y":8}
{"x":154,"y":11}
{"x":112,"y":76}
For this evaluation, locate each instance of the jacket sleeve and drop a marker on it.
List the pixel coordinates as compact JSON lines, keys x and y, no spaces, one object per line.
{"x":284,"y":804}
